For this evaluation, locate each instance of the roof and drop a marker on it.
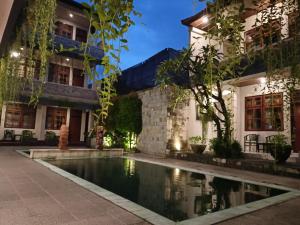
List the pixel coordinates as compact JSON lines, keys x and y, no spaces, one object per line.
{"x":73,"y":3}
{"x":143,"y":75}
{"x":188,"y":21}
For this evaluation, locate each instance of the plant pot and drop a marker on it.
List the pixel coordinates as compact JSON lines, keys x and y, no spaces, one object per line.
{"x":280,"y":152}
{"x":198,"y":149}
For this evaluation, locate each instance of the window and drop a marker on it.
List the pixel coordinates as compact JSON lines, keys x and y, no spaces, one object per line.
{"x":55,"y":118}
{"x":264,"y":112}
{"x":20,"y":116}
{"x":262,"y":36}
{"x":78,"y":78}
{"x":64,"y":30}
{"x":81,"y":35}
{"x":58,"y":74}
{"x":26,"y":71}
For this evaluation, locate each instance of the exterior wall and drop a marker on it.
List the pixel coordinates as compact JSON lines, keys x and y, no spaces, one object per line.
{"x":253,"y":90}
{"x":40,"y":121}
{"x":153,"y":138}
{"x":5,"y":9}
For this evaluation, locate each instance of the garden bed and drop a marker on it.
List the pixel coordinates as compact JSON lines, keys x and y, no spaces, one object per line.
{"x":255,"y":165}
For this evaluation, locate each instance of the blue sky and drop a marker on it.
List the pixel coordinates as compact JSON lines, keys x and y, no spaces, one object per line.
{"x":159,"y":28}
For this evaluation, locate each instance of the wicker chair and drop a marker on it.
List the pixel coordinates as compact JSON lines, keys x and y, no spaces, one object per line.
{"x":251,"y":140}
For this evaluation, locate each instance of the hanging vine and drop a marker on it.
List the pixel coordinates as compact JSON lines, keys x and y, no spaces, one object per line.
{"x":30,"y":49}
{"x":110,"y":20}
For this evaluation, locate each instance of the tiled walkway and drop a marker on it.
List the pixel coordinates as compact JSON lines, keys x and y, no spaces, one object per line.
{"x":30,"y":194}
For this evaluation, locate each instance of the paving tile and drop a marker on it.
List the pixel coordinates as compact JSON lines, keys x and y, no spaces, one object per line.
{"x":31,"y":194}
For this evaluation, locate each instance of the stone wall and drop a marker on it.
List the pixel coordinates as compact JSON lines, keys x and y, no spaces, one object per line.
{"x":158,"y":124}
{"x":153,"y":138}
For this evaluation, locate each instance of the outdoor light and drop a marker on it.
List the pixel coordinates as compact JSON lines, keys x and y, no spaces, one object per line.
{"x":21,"y":48}
{"x":177,"y":172}
{"x":262,"y":80}
{"x":71,"y":15}
{"x":15,"y":54}
{"x":67,"y":59}
{"x":205,"y":19}
{"x":177,"y":145}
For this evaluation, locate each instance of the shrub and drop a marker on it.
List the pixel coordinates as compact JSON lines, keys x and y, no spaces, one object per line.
{"x":224,"y":149}
{"x":27,"y":137}
{"x":220,"y":148}
{"x":51,"y":138}
{"x":236,"y":149}
{"x":279,"y":148}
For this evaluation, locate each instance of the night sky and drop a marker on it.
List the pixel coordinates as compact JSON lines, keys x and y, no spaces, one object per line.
{"x":159,"y":28}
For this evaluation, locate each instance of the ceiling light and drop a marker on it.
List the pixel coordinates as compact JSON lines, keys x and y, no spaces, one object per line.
{"x":71,"y":15}
{"x":205,"y":19}
{"x":14,"y":54}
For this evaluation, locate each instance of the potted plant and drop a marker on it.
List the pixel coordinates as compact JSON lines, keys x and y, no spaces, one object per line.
{"x":279,"y":148}
{"x":197,"y":144}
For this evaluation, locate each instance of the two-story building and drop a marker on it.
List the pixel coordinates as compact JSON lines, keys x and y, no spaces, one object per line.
{"x":256,"y":108}
{"x":68,"y":97}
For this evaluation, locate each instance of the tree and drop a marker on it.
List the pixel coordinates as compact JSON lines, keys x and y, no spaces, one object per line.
{"x":209,"y":67}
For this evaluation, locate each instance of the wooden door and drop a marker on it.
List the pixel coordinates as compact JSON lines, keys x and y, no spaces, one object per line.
{"x":75,"y":127}
{"x":297,"y":127}
{"x":78,"y":78}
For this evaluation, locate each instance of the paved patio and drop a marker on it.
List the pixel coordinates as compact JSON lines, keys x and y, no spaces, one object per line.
{"x":31,"y":194}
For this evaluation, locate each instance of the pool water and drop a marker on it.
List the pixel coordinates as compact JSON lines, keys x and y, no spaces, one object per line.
{"x":172,"y":193}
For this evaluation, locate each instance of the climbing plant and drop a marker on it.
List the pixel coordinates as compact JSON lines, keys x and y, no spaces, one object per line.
{"x":110,"y":20}
{"x":125,"y":119}
{"x":29,"y":50}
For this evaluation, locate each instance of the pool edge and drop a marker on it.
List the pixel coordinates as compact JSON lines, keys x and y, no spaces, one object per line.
{"x":157,"y":219}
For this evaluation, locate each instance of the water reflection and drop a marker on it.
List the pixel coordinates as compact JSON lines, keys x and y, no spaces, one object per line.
{"x":173,"y":193}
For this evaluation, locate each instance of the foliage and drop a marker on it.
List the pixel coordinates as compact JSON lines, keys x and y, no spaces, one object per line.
{"x":51,"y":138}
{"x":31,"y":45}
{"x":236,"y":149}
{"x":124,"y":121}
{"x":279,"y":148}
{"x":27,"y":137}
{"x":110,"y":20}
{"x":195,"y":139}
{"x":224,"y":149}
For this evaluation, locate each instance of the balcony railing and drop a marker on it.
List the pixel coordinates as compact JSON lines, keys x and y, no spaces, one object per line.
{"x":74,"y":47}
{"x":64,"y":95}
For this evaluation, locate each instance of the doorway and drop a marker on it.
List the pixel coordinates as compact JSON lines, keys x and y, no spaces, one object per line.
{"x":296,"y":128}
{"x":75,"y":127}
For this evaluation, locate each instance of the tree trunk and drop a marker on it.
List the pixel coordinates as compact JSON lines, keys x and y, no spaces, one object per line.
{"x":99,"y":137}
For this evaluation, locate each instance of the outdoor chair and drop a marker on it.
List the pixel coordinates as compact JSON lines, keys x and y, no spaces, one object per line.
{"x":268,"y":144}
{"x":270,"y":139}
{"x":251,"y":140}
{"x":9,"y":135}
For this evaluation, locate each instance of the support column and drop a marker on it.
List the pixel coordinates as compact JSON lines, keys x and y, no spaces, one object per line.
{"x":40,"y":122}
{"x":71,"y":77}
{"x":68,"y":117}
{"x":82,"y":129}
{"x":3,"y":112}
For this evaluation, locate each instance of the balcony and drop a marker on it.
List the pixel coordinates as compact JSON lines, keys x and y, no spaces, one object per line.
{"x":75,"y":46}
{"x":64,"y":96}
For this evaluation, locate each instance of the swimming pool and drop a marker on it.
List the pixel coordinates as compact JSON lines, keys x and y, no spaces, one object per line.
{"x":173,"y":193}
